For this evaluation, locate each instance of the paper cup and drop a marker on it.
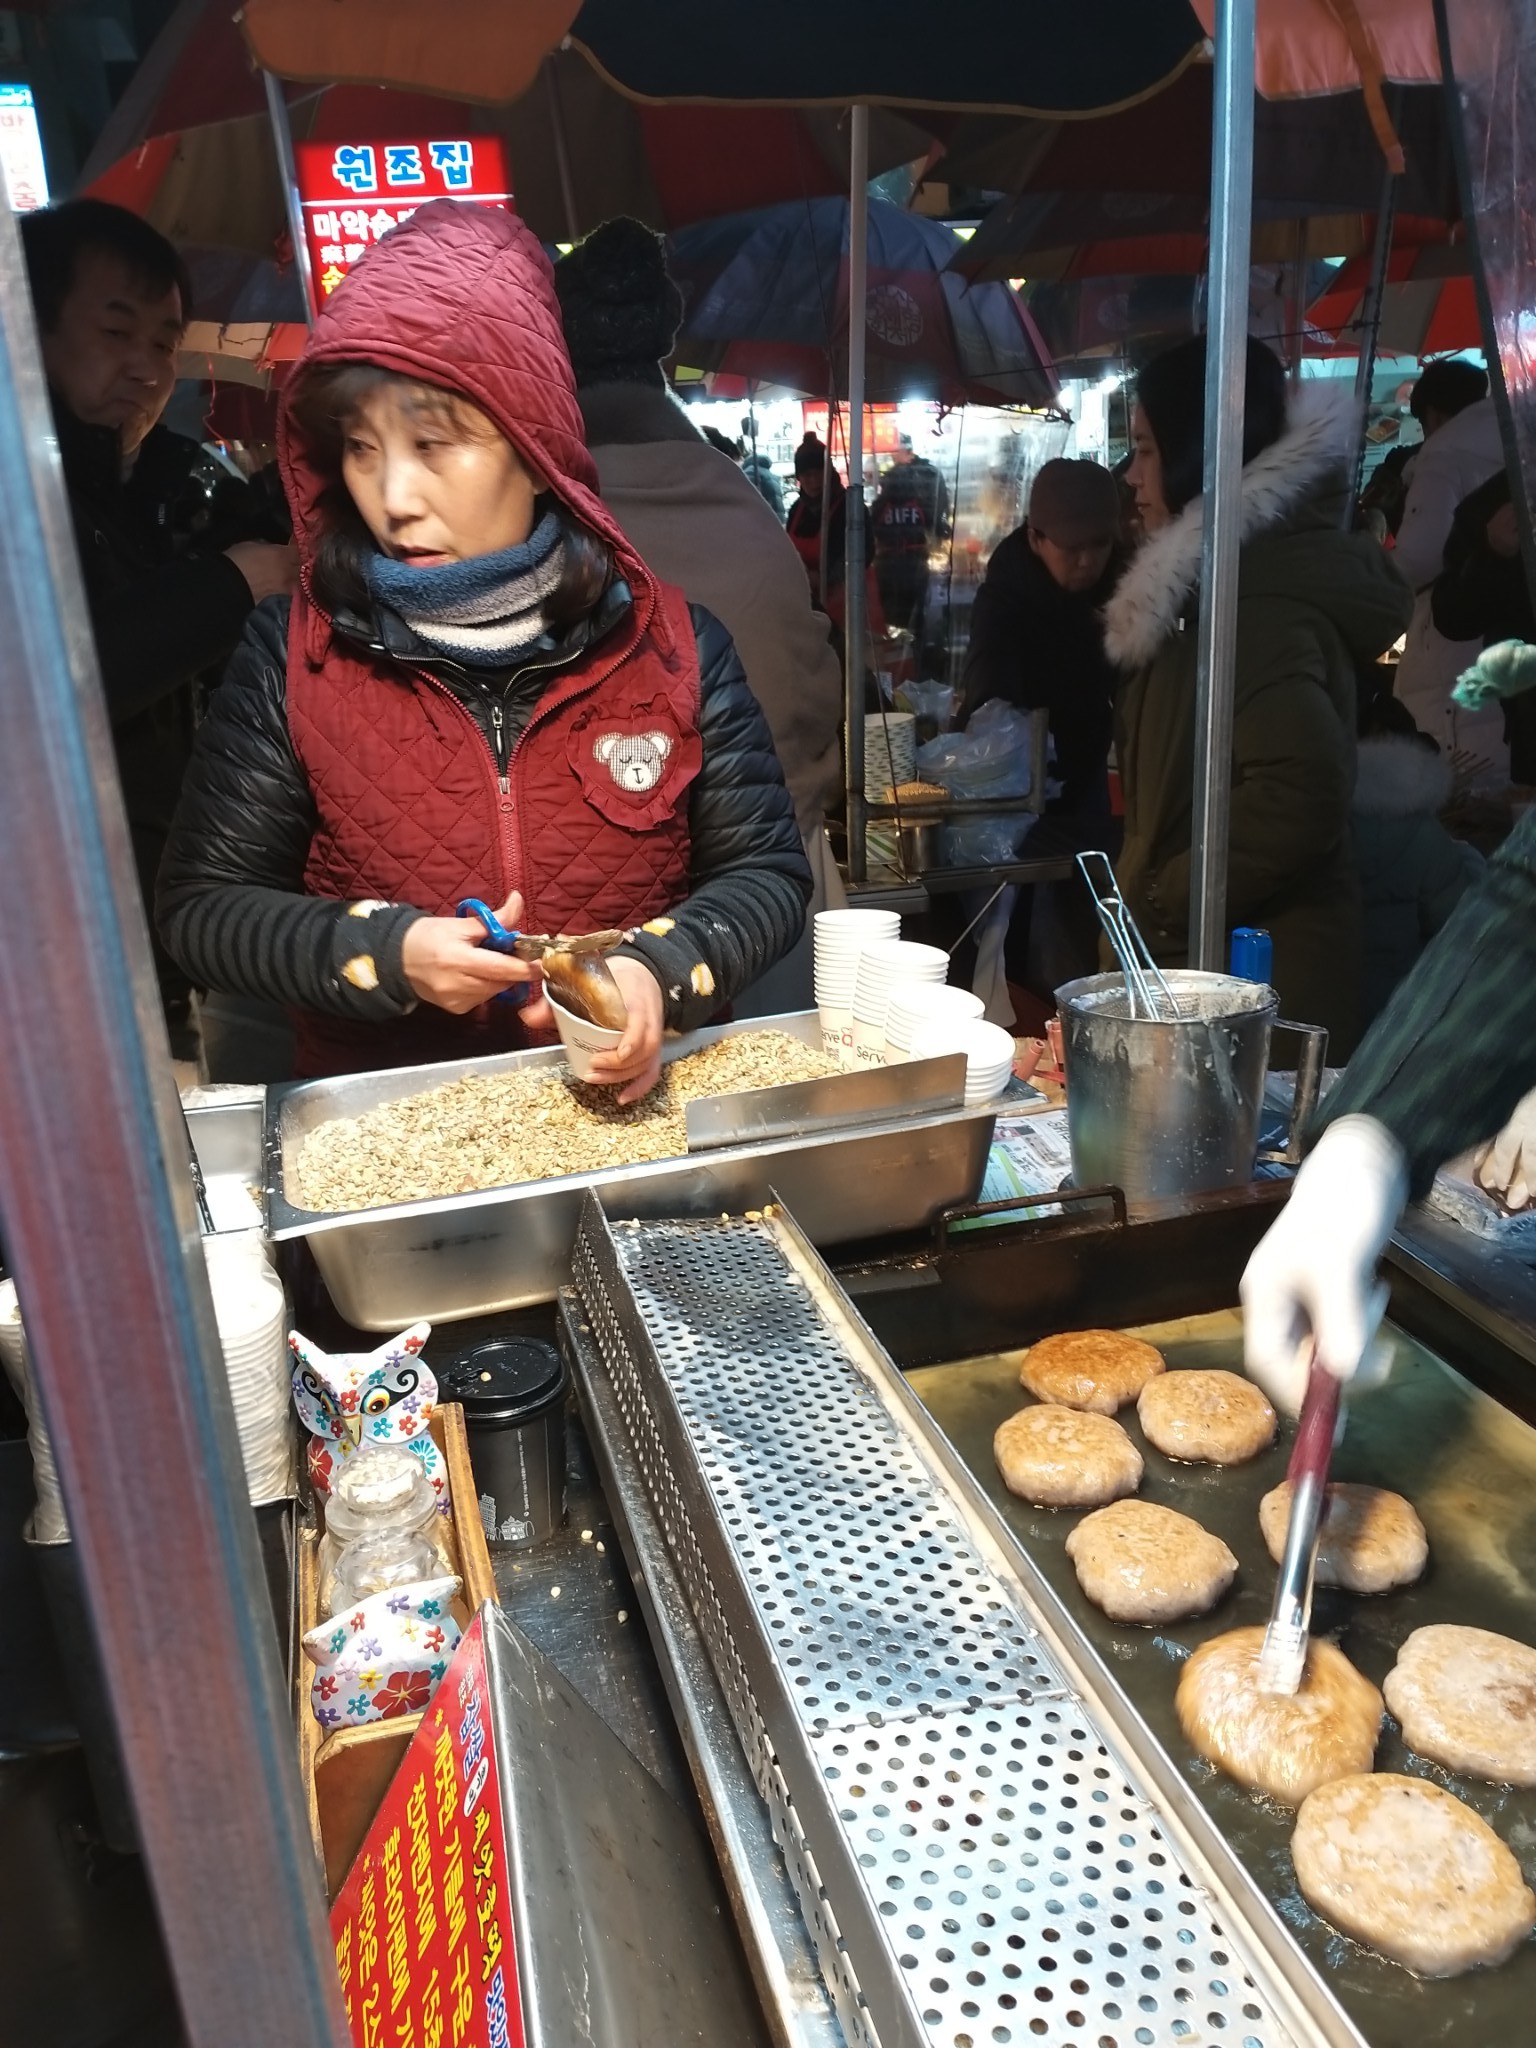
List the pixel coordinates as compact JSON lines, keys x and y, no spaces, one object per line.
{"x":868,"y":1044}
{"x":919,"y":1003}
{"x":837,"y":1034}
{"x":582,"y":1041}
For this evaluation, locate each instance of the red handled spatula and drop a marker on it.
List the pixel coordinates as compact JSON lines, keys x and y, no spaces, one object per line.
{"x":1284,"y":1655}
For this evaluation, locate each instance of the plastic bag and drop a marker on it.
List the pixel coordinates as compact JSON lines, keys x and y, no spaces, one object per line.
{"x":991,"y":758}
{"x":932,"y":704}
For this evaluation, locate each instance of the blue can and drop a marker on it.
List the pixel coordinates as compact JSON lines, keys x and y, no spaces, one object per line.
{"x":1253,"y":954}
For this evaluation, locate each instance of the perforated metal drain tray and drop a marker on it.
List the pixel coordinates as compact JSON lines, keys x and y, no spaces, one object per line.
{"x":979,"y":1857}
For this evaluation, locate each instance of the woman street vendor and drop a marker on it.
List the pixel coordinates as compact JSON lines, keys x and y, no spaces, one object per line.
{"x":478,"y":690}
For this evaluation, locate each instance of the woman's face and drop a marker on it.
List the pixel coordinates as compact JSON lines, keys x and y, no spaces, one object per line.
{"x":1145,"y":475}
{"x":434,"y":480}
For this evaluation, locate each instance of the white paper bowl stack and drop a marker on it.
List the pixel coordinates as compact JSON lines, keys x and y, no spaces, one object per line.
{"x":890,"y":750}
{"x":922,"y":1002}
{"x":252,"y":1317}
{"x":839,"y":937}
{"x":885,"y":969}
{"x":988,"y":1051}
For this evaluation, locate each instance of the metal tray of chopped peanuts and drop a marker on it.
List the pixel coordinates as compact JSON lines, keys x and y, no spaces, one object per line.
{"x":860,"y":1156}
{"x":1469,"y":1467}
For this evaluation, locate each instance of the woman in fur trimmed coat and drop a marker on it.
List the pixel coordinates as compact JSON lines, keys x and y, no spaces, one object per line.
{"x":1313,"y":604}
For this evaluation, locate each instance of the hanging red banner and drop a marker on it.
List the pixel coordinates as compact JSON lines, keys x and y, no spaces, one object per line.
{"x":423,"y":1924}
{"x":353,"y":193}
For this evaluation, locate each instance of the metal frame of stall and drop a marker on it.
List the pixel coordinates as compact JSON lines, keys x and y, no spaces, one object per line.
{"x":120,"y":1325}
{"x":1231,"y":241}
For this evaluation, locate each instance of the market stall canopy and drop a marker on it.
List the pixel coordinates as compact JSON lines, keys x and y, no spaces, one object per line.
{"x":1310,"y":47}
{"x":1026,"y":56}
{"x":1305,"y":48}
{"x":1428,"y":306}
{"x":190,"y":145}
{"x":1130,"y":194}
{"x":766,"y":297}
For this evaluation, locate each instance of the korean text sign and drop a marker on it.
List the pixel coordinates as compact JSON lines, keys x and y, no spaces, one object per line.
{"x":423,"y":1924}
{"x":353,"y":193}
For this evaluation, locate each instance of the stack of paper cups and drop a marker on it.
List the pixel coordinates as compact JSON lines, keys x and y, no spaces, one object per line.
{"x":988,"y":1051}
{"x":840,"y":936}
{"x":48,"y":1523}
{"x":248,"y":1301}
{"x":916,"y":1004}
{"x":890,"y":750}
{"x":885,"y":968}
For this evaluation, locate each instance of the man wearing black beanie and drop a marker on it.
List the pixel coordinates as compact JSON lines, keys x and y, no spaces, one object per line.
{"x":700,"y":523}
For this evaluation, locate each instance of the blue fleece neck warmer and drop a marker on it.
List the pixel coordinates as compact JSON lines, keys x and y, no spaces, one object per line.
{"x":484,"y":612}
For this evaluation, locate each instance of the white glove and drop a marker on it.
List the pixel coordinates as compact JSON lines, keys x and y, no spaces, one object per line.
{"x":1316,"y":1268}
{"x":1507,"y":1167}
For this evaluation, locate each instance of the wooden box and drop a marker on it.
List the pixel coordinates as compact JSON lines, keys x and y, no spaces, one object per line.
{"x":346,"y":1773}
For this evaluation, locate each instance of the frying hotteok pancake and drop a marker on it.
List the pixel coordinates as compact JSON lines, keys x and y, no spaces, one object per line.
{"x":1099,"y":1370}
{"x":1144,"y":1563}
{"x":1371,"y":1540}
{"x":1217,"y":1418}
{"x":1467,"y":1698}
{"x":1060,"y":1458}
{"x":1283,"y":1745}
{"x":1406,"y":1868}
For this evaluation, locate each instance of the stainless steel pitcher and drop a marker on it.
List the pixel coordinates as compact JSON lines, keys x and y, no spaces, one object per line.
{"x":1170,"y":1106}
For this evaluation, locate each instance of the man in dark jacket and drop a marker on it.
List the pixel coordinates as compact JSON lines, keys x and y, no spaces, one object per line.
{"x":910,"y":513}
{"x":171,"y":566}
{"x":1038,"y":643}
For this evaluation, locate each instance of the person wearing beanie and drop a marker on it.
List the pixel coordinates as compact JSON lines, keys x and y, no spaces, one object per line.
{"x":1462,"y":449}
{"x":701,"y":523}
{"x":1313,"y":603}
{"x":1037,"y":642}
{"x":479,"y":690}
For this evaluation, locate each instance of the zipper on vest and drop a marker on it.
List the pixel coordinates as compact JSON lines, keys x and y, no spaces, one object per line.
{"x":499,"y":741}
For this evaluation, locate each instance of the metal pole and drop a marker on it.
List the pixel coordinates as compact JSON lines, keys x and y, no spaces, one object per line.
{"x":853,"y":589}
{"x":1225,"y":368}
{"x":101,"y":1228}
{"x":288,"y":171}
{"x":562,"y":149}
{"x":1365,"y":369}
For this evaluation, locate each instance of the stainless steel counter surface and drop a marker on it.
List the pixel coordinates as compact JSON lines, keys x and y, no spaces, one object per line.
{"x":572,"y":1597}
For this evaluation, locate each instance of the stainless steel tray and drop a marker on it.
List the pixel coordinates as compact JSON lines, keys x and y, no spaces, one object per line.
{"x":973,"y":1856}
{"x":503,"y":1248}
{"x":1470,"y":1469}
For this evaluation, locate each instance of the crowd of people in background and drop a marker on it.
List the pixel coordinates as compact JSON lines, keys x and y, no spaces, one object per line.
{"x":1342,"y":765}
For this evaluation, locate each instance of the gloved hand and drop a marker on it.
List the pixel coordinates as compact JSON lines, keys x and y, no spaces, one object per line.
{"x":1316,"y":1269}
{"x":1507,"y":1167}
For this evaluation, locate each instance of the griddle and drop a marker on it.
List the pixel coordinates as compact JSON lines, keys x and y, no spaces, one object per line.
{"x":1465,"y":1461}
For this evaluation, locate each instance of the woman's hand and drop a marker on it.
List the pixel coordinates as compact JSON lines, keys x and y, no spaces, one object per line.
{"x":447,"y":962}
{"x":634,"y":1065}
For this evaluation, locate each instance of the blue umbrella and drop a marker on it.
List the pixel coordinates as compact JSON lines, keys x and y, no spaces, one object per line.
{"x":766,"y":297}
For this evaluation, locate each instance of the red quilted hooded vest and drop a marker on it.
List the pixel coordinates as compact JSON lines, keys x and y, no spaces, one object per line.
{"x":592,"y":823}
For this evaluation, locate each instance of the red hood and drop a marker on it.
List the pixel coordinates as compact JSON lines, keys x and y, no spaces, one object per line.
{"x":462,"y":296}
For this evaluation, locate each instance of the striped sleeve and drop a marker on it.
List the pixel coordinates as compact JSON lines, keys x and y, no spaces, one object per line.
{"x":1455,"y":1048}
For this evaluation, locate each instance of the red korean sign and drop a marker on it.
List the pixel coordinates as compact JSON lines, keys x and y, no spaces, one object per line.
{"x":882,"y":433}
{"x":353,"y":193}
{"x":423,"y":1924}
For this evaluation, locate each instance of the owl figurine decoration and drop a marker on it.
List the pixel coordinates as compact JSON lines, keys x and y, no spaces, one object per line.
{"x":382,"y":1657}
{"x":349,"y":1398}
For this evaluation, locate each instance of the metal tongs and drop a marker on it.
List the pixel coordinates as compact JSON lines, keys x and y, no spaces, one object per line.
{"x":1283,"y":1658}
{"x":574,"y":965}
{"x":1144,"y":979}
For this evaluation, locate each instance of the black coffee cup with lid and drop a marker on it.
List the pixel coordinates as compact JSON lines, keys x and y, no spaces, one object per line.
{"x":512,"y":1391}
